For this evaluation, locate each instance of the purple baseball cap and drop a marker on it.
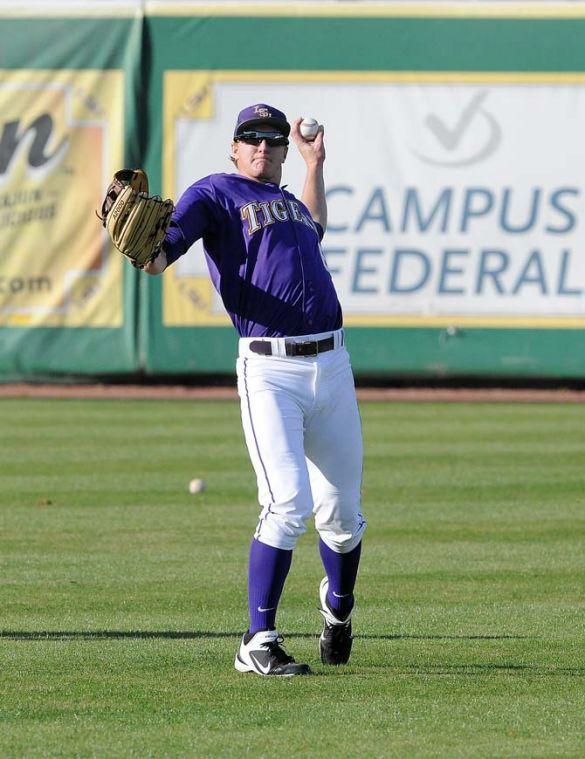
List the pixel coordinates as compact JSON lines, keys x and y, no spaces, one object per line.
{"x":261,"y":114}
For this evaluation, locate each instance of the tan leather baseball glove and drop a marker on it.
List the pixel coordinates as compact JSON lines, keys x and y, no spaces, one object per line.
{"x":135,"y":222}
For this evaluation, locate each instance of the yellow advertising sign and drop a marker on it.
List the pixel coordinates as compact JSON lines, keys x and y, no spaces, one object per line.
{"x":61,"y":139}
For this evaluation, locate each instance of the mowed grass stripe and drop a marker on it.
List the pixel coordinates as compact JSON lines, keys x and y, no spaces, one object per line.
{"x":123,"y":596}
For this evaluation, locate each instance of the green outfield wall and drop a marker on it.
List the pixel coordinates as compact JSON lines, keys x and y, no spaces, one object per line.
{"x":454,"y":177}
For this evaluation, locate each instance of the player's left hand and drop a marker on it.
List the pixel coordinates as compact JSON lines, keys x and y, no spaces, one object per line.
{"x":313,"y":151}
{"x":157,"y":265}
{"x":135,"y":221}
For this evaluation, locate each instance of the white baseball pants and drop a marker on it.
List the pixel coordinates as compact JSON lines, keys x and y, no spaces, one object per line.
{"x":303,"y":433}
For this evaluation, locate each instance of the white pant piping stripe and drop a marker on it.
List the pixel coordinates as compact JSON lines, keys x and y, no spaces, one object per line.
{"x":258,"y":528}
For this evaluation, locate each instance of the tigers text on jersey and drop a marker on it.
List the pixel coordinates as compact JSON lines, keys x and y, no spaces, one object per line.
{"x":263,"y":253}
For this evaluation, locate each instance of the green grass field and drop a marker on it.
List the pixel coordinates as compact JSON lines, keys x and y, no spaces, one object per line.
{"x":123,"y":597}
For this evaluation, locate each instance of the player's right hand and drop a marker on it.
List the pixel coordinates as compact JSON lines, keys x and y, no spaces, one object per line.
{"x":313,"y":151}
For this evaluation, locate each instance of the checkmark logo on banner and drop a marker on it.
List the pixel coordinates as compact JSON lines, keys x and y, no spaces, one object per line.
{"x":450,"y":137}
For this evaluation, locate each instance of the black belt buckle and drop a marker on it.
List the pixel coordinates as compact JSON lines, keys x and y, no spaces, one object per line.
{"x":307,"y":348}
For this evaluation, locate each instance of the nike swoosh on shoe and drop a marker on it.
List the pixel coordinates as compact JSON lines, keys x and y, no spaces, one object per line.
{"x":265,"y":669}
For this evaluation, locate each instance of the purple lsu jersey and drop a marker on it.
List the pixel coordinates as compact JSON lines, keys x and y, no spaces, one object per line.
{"x":263,"y":253}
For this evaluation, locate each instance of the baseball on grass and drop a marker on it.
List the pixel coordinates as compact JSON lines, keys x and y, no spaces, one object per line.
{"x":196,"y":486}
{"x":309,"y":128}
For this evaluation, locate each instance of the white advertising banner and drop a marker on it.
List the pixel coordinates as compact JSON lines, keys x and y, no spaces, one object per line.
{"x":453,"y":199}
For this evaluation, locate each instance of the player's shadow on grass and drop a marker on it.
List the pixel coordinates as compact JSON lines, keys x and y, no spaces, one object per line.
{"x":194,"y":634}
{"x":439,"y":669}
{"x":104,"y":634}
{"x":490,"y":669}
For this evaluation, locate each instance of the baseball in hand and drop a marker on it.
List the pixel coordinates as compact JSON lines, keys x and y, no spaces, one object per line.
{"x":196,"y":486}
{"x":309,"y":128}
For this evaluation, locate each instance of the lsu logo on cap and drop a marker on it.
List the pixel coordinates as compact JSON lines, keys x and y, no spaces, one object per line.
{"x":264,"y":113}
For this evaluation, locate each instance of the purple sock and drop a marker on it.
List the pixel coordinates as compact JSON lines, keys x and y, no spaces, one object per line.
{"x":341,"y":570}
{"x":266,"y":575}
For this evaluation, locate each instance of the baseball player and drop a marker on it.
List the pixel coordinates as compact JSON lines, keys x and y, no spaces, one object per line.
{"x":299,"y":410}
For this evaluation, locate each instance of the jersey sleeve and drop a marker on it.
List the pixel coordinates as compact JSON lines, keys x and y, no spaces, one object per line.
{"x":194,"y":217}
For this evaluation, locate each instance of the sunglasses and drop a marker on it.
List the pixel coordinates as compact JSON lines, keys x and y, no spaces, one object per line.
{"x":273,"y":139}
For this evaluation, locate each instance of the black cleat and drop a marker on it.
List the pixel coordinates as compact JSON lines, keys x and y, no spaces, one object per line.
{"x":262,"y":654}
{"x":336,"y":638}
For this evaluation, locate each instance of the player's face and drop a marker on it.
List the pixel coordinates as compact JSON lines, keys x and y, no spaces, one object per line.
{"x":261,"y":162}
